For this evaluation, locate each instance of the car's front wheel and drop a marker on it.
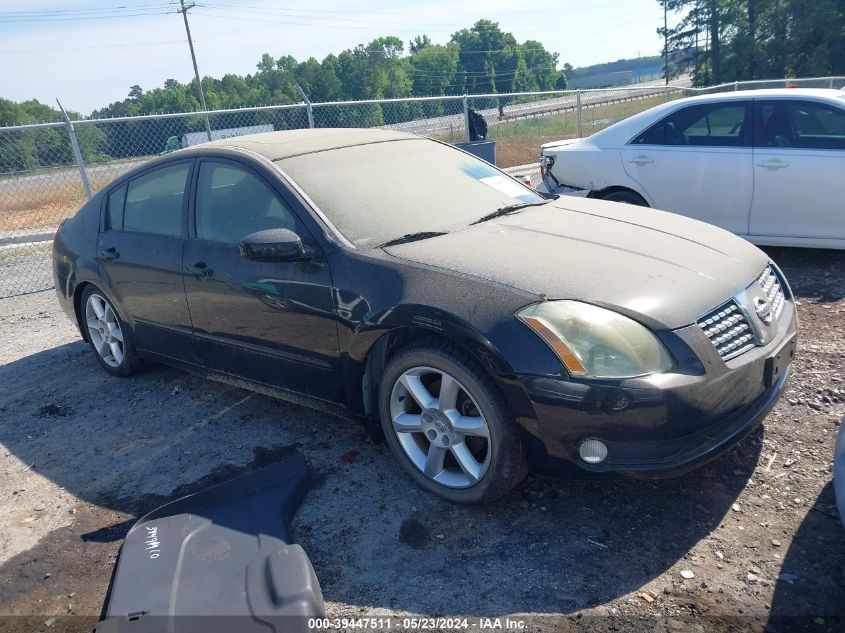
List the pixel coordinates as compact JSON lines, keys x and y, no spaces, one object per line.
{"x":447,"y":424}
{"x":108,"y":335}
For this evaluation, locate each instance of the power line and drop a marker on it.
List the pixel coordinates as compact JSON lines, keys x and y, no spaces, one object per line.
{"x":612,"y":4}
{"x":119,"y":8}
{"x":302,"y":15}
{"x":445,"y":27}
{"x":83,"y":48}
{"x":478,"y":73}
{"x":13,"y":20}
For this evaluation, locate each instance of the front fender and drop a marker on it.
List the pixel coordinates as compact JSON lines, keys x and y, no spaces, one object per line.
{"x":506,"y":349}
{"x":370,"y":345}
{"x":428,"y":319}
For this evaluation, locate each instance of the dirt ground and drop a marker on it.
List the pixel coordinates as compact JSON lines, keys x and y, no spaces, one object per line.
{"x":750,"y":542}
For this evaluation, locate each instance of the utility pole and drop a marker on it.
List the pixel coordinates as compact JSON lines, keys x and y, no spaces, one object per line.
{"x":184,"y":12}
{"x":697,"y":22}
{"x":665,"y":41}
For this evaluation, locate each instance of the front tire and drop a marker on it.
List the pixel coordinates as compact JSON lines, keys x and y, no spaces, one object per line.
{"x":108,"y":335}
{"x":448,"y":425}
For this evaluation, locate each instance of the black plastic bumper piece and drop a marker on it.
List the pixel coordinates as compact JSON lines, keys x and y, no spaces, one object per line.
{"x":219,"y":560}
{"x":671,"y":458}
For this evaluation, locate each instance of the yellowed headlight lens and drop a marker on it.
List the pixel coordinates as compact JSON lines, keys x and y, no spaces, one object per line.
{"x":596,"y":342}
{"x":566,"y":355}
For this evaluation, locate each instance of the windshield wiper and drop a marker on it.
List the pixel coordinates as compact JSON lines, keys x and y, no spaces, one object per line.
{"x":507,"y":210}
{"x":413,"y":237}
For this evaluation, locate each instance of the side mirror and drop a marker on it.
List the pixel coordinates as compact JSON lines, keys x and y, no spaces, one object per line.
{"x":272,"y":245}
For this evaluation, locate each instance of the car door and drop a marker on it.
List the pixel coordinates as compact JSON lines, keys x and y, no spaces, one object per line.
{"x":139,"y":251}
{"x":799,"y":159}
{"x":697,"y":162}
{"x":271,"y":322}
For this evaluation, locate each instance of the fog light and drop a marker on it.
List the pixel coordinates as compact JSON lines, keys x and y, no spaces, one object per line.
{"x":592,"y":451}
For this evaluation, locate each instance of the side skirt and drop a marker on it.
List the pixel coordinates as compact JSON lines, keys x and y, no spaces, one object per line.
{"x":329,"y":408}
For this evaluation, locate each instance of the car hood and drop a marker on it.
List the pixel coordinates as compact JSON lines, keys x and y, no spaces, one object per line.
{"x":660,"y":268}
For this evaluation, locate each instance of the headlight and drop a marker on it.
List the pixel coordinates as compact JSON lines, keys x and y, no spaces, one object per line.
{"x":594,"y":342}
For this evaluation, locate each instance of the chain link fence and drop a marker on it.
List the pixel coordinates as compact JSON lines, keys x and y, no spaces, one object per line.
{"x":48,"y":170}
{"x":835,"y":83}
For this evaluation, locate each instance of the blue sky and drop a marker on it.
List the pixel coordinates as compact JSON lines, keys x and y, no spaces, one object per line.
{"x":88,"y":52}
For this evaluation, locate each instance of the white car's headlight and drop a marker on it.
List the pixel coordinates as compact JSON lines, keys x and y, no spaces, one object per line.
{"x":594,"y":342}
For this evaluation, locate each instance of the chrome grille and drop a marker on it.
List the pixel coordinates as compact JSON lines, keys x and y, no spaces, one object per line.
{"x":728,"y":329}
{"x":769,"y":282}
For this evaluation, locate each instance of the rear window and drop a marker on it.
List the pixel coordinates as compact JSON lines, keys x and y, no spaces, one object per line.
{"x":377,"y":192}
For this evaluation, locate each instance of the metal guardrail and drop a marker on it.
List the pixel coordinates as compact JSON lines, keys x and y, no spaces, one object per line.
{"x":48,"y":170}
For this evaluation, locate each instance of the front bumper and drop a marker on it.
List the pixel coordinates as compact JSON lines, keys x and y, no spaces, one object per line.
{"x":658,"y":426}
{"x":562,"y":190}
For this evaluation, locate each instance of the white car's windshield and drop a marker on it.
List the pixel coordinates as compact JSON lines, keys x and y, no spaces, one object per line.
{"x":379,"y":192}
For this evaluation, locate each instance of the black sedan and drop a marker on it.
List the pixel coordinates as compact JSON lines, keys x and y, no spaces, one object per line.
{"x":386,"y":277}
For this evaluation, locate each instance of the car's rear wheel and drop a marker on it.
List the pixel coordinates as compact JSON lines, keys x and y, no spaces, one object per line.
{"x":108,"y":335}
{"x":626,"y":197}
{"x":447,"y":424}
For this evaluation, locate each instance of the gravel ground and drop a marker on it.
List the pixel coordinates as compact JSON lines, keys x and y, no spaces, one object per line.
{"x":750,"y":541}
{"x":25,"y":266}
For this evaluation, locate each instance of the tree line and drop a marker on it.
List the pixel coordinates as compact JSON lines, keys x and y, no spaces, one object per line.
{"x":480,"y":59}
{"x":739,"y":40}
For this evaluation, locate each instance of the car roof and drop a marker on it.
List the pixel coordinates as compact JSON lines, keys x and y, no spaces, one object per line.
{"x":284,"y":144}
{"x":621,"y":133}
{"x":766,"y":93}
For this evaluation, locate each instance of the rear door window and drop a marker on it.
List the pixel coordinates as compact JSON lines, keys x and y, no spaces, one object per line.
{"x":800,"y":124}
{"x":155,"y":200}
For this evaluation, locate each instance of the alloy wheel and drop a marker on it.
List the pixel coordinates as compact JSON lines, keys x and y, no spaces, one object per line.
{"x":440,"y":427}
{"x":104,"y":330}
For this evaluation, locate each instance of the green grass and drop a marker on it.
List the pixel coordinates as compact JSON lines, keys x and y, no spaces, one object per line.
{"x":13,"y":252}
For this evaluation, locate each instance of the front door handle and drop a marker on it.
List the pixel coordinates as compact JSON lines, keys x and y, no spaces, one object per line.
{"x":641,"y":160}
{"x":200,"y":270}
{"x":773,"y":164}
{"x":110,"y":253}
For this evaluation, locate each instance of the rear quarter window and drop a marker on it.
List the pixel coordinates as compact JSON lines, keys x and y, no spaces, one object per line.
{"x":114,"y":209}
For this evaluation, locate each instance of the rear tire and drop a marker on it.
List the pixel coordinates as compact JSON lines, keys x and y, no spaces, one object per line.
{"x":626,"y":197}
{"x":108,"y":335}
{"x":462,"y":443}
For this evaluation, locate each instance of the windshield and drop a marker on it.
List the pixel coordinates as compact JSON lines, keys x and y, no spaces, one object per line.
{"x":378,"y":192}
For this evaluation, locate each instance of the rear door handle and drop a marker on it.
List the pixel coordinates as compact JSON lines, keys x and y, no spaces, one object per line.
{"x":641,"y":160}
{"x":110,"y":253}
{"x":773,"y":164}
{"x":200,"y":270}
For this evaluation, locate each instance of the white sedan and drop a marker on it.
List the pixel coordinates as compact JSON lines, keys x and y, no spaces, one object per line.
{"x":768,"y":165}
